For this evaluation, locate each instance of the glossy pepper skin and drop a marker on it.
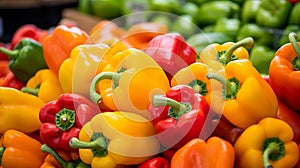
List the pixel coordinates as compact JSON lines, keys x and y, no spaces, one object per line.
{"x":178,"y":116}
{"x":26,"y":58}
{"x":116,"y":138}
{"x":215,"y":152}
{"x":243,"y":86}
{"x":58,"y":45}
{"x":284,"y":73}
{"x":63,"y":118}
{"x":45,"y":85}
{"x":18,"y":150}
{"x":19,"y":111}
{"x":171,"y":52}
{"x":126,"y":73}
{"x":249,"y":10}
{"x":295,"y":15}
{"x":267,"y":144}
{"x":156,"y":162}
{"x":7,"y":78}
{"x":261,"y":57}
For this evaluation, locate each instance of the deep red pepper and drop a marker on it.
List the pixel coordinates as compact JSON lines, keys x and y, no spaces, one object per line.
{"x":171,"y":52}
{"x":178,"y":116}
{"x":2,"y":55}
{"x":157,"y":162}
{"x":62,"y":119}
{"x":7,"y":78}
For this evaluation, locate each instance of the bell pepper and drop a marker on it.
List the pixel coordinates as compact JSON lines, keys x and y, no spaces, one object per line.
{"x":261,"y":57}
{"x":56,"y":161}
{"x":184,"y":25}
{"x":267,"y":144}
{"x":7,"y":78}
{"x":29,"y":31}
{"x":229,"y":26}
{"x":215,"y":152}
{"x":116,"y":138}
{"x":26,"y":58}
{"x":243,"y":86}
{"x":19,"y":111}
{"x":261,"y":35}
{"x":219,"y":9}
{"x":294,"y":17}
{"x":18,"y":150}
{"x":273,"y":13}
{"x":226,"y":52}
{"x":290,"y":117}
{"x":45,"y":85}
{"x":126,"y":73}
{"x":58,"y":45}
{"x":178,"y":116}
{"x":284,"y":37}
{"x":156,"y":162}
{"x":249,"y":10}
{"x":171,"y":52}
{"x":63,"y":118}
{"x":284,"y":73}
{"x":2,"y":55}
{"x":133,"y":6}
{"x":170,"y":6}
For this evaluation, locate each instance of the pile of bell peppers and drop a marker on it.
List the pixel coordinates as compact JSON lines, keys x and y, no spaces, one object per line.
{"x":90,"y":99}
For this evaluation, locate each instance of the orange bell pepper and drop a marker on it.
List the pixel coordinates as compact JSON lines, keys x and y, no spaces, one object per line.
{"x":197,"y":153}
{"x":18,"y":150}
{"x":58,"y":46}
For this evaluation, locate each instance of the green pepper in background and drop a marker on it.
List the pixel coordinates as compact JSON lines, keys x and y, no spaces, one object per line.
{"x":185,"y":26}
{"x":84,"y":6}
{"x":171,"y":6}
{"x":163,"y":19}
{"x":191,"y":9}
{"x":209,"y":28}
{"x":261,"y":57}
{"x":261,"y":36}
{"x":285,"y":34}
{"x":229,"y":26}
{"x":208,"y":13}
{"x":25,"y":59}
{"x":131,"y":6}
{"x":201,"y":40}
{"x":295,"y":15}
{"x":273,"y":13}
{"x":200,"y":2}
{"x":249,"y":11}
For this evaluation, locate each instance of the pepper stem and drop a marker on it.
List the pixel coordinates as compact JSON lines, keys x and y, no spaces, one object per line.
{"x":98,"y":145}
{"x":199,"y":86}
{"x":46,"y":148}
{"x":273,"y":149}
{"x":230,"y":86}
{"x":1,"y":154}
{"x":32,"y":91}
{"x":12,"y":54}
{"x":293,"y":41}
{"x":177,"y":108}
{"x":65,"y":119}
{"x":96,"y":97}
{"x":227,"y":56}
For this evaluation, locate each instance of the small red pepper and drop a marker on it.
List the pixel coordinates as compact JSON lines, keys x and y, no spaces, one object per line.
{"x":62,"y":119}
{"x":7,"y":78}
{"x":171,"y":52}
{"x":178,"y":116}
{"x":157,"y":162}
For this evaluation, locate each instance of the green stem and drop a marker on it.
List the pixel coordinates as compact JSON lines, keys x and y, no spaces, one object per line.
{"x":95,"y":97}
{"x":227,"y":56}
{"x":65,"y":119}
{"x":199,"y":86}
{"x":177,"y":109}
{"x":293,"y":41}
{"x":46,"y":148}
{"x":1,"y":154}
{"x":32,"y":91}
{"x":273,"y":149}
{"x":12,"y":54}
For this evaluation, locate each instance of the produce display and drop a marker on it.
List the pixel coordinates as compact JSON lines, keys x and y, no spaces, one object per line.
{"x":155,"y":84}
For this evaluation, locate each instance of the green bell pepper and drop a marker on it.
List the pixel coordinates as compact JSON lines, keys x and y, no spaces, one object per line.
{"x":185,"y":26}
{"x":249,"y":11}
{"x":261,"y":36}
{"x":191,"y":9}
{"x":229,"y":26}
{"x":105,"y":9}
{"x":273,"y":13}
{"x":170,"y":6}
{"x":261,"y":57}
{"x":200,"y":2}
{"x":295,"y":15}
{"x":285,"y":34}
{"x":208,"y":13}
{"x":129,"y":7}
{"x":25,"y":59}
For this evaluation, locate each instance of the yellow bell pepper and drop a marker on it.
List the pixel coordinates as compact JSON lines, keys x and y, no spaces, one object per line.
{"x":267,"y":144}
{"x":19,"y":110}
{"x":45,"y":85}
{"x":129,"y":82}
{"x":116,"y":138}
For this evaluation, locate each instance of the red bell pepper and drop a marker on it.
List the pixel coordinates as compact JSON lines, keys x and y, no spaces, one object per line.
{"x":7,"y":78}
{"x":291,"y":117}
{"x":2,"y":55}
{"x":157,"y":162}
{"x":171,"y":52}
{"x":62,"y":119}
{"x":178,"y":116}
